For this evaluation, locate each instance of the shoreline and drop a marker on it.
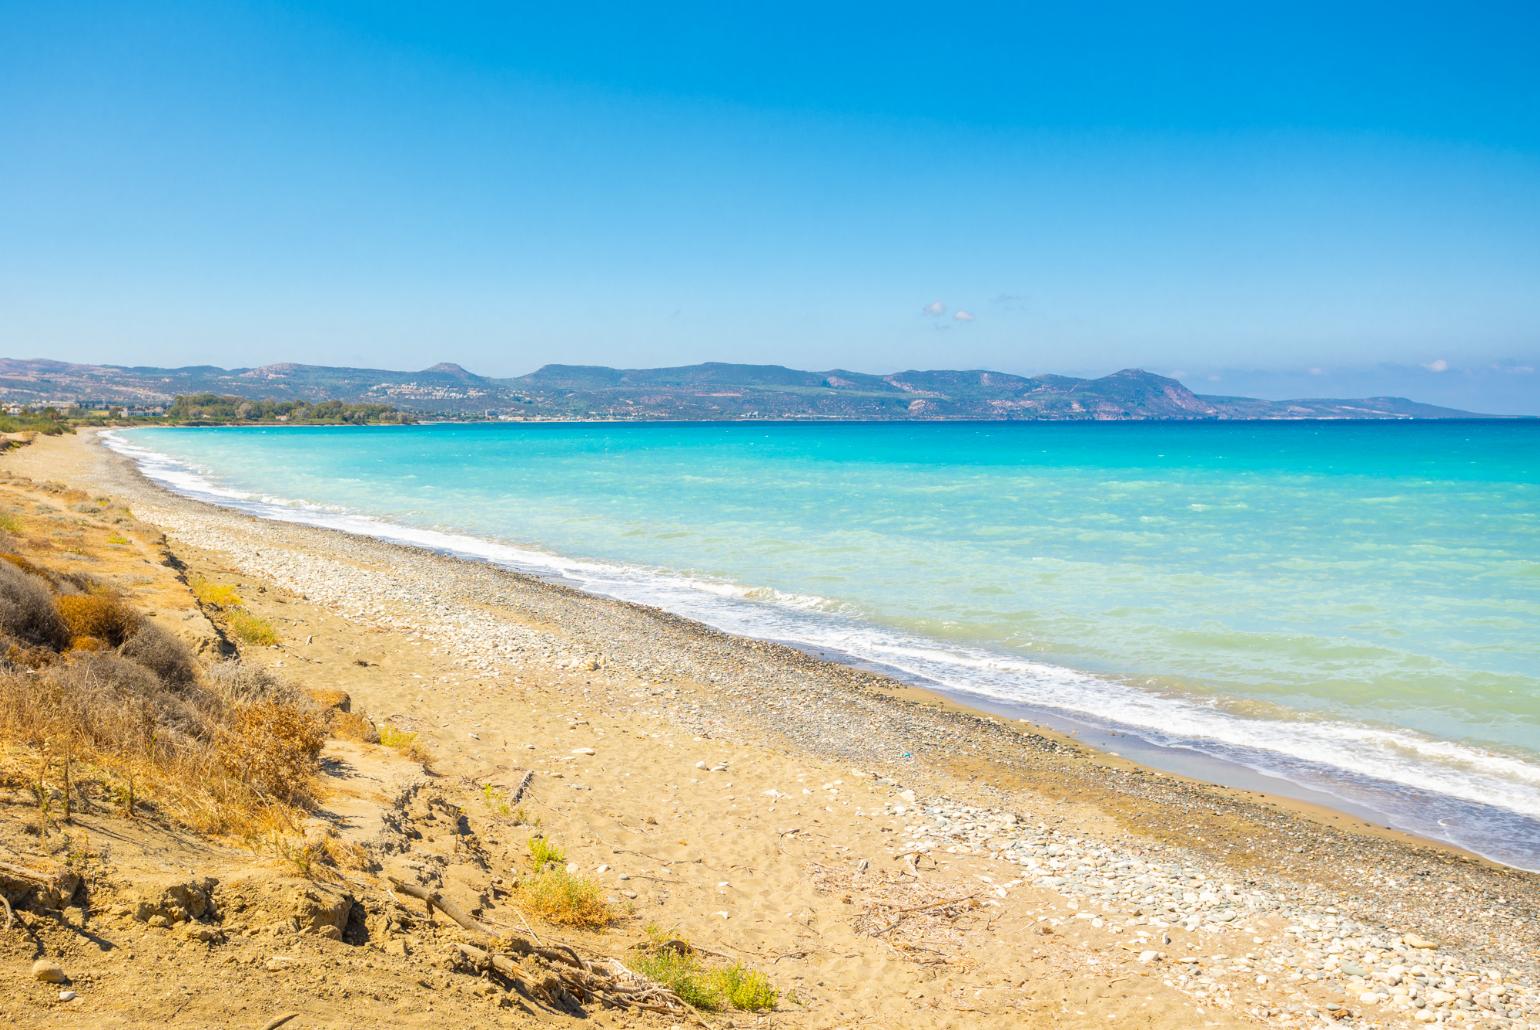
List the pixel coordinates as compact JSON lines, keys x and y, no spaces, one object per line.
{"x":1320,"y":787}
{"x":1157,"y":856}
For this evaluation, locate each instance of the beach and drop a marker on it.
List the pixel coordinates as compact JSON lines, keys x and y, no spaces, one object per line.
{"x":890,"y":857}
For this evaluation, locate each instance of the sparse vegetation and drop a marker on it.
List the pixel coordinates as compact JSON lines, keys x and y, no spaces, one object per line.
{"x":397,"y":739}
{"x":251,"y":629}
{"x":701,"y":984}
{"x":9,"y":523}
{"x":99,"y":704}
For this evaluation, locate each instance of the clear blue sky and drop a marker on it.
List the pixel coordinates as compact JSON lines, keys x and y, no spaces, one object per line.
{"x":1318,"y":192}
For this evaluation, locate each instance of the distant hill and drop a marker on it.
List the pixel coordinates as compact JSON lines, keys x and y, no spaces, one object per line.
{"x":714,"y":390}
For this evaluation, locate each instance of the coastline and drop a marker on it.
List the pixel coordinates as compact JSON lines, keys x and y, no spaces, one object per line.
{"x":1281,"y":857}
{"x":1287,"y":758}
{"x":1038,"y":736}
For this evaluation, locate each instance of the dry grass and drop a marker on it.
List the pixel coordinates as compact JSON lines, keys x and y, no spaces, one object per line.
{"x":251,"y":629}
{"x":565,"y":899}
{"x":353,"y":726}
{"x":127,"y":720}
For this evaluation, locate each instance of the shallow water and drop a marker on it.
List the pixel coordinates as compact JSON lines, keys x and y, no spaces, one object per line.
{"x":1354,"y":607}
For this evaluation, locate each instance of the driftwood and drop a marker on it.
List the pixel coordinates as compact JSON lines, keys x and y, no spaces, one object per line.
{"x":518,"y":792}
{"x":562,"y":978}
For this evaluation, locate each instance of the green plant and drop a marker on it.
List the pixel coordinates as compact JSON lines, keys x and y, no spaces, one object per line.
{"x":544,"y":852}
{"x":217,"y":595}
{"x":703,"y":985}
{"x":252,"y":629}
{"x":496,"y":799}
{"x":9,"y":523}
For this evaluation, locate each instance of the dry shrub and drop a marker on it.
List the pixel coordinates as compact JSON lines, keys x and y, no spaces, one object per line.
{"x":108,"y":703}
{"x":235,"y":684}
{"x":128,"y":708}
{"x":27,"y":611}
{"x":353,"y":726}
{"x":274,"y":748}
{"x":161,"y":653}
{"x":560,"y":897}
{"x":98,"y":615}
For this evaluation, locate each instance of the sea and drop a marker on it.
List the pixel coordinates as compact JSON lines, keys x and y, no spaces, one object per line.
{"x":1343,"y":612}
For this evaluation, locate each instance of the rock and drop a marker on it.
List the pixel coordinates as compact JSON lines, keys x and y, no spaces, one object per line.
{"x":584,"y":751}
{"x":322,"y":911}
{"x":193,"y":899}
{"x":48,"y":971}
{"x":66,"y":995}
{"x":1412,"y":940}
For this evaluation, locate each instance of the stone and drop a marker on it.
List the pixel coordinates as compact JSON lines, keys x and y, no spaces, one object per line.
{"x":66,"y":995}
{"x":48,"y":971}
{"x":1412,"y":940}
{"x":584,"y":751}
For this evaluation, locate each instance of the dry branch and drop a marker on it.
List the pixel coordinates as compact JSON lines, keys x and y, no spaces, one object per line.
{"x":566,"y":982}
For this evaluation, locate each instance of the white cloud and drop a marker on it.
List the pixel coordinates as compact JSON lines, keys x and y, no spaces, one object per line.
{"x":1437,"y":365}
{"x":935,"y":309}
{"x":963,"y":316}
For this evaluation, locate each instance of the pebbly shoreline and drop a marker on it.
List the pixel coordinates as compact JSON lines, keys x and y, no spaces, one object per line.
{"x":1326,"y":912}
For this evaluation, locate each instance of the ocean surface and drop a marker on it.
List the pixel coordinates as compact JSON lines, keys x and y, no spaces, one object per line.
{"x":1348,"y":609}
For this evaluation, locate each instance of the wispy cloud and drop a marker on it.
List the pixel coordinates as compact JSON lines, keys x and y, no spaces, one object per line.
{"x":1437,"y":365}
{"x":963,"y":316}
{"x":935,"y":309}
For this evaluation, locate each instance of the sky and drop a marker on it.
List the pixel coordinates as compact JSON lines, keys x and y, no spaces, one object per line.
{"x":1295,"y":201}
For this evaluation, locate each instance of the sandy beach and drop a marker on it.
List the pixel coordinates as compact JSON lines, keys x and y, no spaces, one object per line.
{"x":888,"y":858}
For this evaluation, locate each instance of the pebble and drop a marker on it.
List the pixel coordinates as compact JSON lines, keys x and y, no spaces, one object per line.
{"x":48,"y":971}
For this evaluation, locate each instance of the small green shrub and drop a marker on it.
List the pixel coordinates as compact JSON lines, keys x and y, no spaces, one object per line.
{"x":544,"y":852}
{"x":216,"y":595}
{"x":709,"y":987}
{"x":252,"y":629}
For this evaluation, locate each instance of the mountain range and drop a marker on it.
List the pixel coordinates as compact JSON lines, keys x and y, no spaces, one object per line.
{"x":713,"y":390}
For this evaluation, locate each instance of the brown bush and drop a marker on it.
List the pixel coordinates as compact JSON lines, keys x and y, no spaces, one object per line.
{"x":27,"y":611}
{"x":274,"y":748}
{"x":236,"y":684}
{"x":161,"y":653}
{"x":98,"y":615}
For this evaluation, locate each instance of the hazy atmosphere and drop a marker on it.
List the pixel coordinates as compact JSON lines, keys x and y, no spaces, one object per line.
{"x":1310,"y":203}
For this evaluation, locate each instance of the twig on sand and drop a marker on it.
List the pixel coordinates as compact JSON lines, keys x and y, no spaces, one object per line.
{"x":278,"y":1021}
{"x":10,"y":917}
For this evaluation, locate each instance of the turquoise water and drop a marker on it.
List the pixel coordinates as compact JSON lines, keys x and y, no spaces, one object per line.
{"x":1350,"y":606}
